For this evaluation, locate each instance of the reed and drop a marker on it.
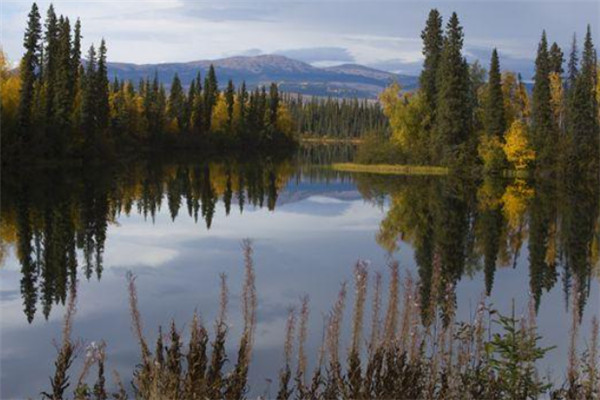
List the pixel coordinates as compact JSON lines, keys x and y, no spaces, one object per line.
{"x":66,"y":351}
{"x":407,"y":359}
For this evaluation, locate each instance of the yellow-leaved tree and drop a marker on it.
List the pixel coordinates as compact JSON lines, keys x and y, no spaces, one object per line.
{"x":10,"y":85}
{"x":284,"y":123}
{"x":219,"y":116}
{"x":407,"y":116}
{"x":518,"y":149}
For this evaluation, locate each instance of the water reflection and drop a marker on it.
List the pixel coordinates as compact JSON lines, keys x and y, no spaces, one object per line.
{"x":459,"y":227}
{"x":57,"y":220}
{"x":52,"y":215}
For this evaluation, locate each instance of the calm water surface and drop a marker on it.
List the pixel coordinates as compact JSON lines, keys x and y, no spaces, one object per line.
{"x":177,"y":226}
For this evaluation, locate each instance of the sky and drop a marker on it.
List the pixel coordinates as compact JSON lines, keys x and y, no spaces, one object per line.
{"x":380,"y":34}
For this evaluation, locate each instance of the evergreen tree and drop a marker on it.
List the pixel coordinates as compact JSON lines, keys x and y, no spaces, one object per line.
{"x":197,"y":116}
{"x":101,"y":82}
{"x":30,"y":65}
{"x":273,"y":104}
{"x":495,"y":123}
{"x":189,"y":105}
{"x":454,"y":112}
{"x":242,"y":99}
{"x":211,"y":94}
{"x":76,"y":51}
{"x":433,"y":42}
{"x":584,"y":111}
{"x":556,"y":59}
{"x":63,"y":95}
{"x":572,"y":65}
{"x":50,"y":61}
{"x":177,"y":103}
{"x":89,"y":100}
{"x":544,"y":132}
{"x":230,"y":100}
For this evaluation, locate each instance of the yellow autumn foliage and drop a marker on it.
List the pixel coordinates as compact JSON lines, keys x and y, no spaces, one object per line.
{"x":10,"y":86}
{"x":285,"y":124}
{"x":515,"y":201}
{"x":219,"y":115}
{"x":518,"y":149}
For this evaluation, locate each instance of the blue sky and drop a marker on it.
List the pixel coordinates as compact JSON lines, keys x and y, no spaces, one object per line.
{"x":382,"y":34}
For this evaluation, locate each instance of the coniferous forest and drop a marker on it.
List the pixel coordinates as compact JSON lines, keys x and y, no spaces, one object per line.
{"x":465,"y":116}
{"x":60,"y":106}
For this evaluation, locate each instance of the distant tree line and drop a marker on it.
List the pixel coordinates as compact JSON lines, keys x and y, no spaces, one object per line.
{"x":58,"y":106}
{"x":460,"y":118}
{"x":335,"y":118}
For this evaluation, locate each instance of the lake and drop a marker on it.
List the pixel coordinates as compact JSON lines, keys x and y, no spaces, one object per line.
{"x":178,"y":224}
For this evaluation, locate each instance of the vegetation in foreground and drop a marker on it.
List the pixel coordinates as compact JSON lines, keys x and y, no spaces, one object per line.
{"x":391,"y":169}
{"x":400,"y":359}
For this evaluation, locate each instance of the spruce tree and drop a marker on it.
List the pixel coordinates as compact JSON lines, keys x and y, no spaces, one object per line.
{"x":556,"y":59}
{"x":453,"y":109}
{"x":572,"y":65}
{"x":76,"y":53}
{"x":273,"y":104}
{"x":189,"y":105}
{"x":494,"y":105}
{"x":433,"y":41}
{"x":63,"y":100}
{"x":102,"y":83}
{"x":211,"y":94}
{"x":544,"y":132}
{"x":30,"y":65}
{"x":50,"y":62}
{"x":584,"y":111}
{"x":89,"y":97}
{"x":197,"y":114}
{"x":230,"y":100}
{"x":177,"y":103}
{"x":243,"y":99}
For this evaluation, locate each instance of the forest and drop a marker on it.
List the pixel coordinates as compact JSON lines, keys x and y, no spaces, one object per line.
{"x":464,"y":116}
{"x":59,"y":106}
{"x":336,"y":118}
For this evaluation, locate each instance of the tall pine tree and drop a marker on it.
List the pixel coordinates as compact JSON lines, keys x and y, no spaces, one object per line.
{"x":495,"y":123}
{"x":50,"y":62}
{"x":544,"y":132}
{"x":433,"y":42}
{"x":556,"y":59}
{"x":583,"y":112}
{"x":101,"y":82}
{"x":30,"y":66}
{"x":454,"y":112}
{"x":211,"y":94}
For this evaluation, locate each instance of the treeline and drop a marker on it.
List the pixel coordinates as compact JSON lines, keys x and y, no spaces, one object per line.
{"x":460,"y":118}
{"x":336,"y":118}
{"x":58,"y":106}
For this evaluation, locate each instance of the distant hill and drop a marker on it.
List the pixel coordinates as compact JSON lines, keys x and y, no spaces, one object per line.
{"x":291,"y":75}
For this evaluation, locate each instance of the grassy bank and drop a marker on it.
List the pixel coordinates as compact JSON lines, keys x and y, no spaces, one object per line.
{"x":326,"y":140}
{"x":390,"y":169}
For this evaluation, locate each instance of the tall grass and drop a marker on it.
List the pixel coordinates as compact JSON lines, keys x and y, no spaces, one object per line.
{"x":492,"y":356}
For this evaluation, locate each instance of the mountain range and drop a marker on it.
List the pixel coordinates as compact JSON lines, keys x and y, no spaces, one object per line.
{"x":293,"y":76}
